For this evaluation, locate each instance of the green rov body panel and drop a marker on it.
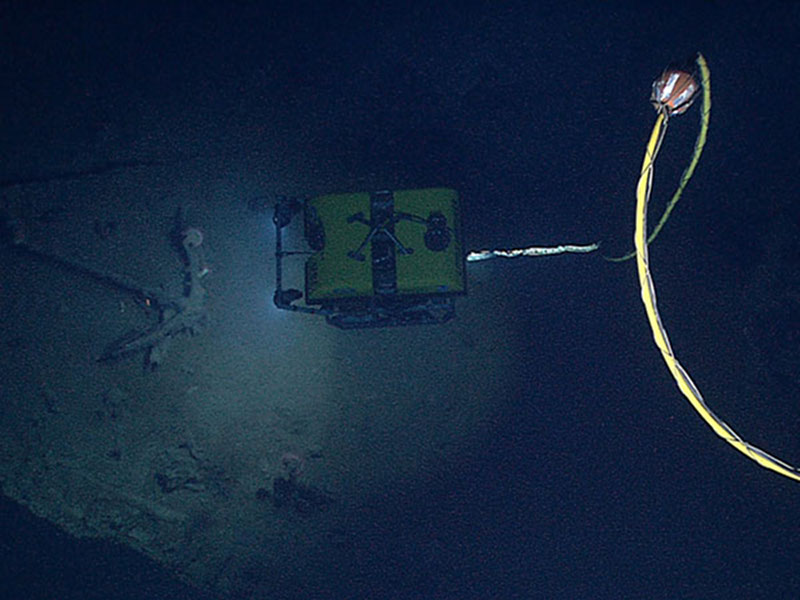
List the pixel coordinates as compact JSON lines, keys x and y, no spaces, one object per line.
{"x":345,"y":222}
{"x":330,"y":272}
{"x":424,"y":271}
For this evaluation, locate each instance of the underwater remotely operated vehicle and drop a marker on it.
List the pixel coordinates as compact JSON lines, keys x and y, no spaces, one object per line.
{"x":376,"y":259}
{"x":383,"y":258}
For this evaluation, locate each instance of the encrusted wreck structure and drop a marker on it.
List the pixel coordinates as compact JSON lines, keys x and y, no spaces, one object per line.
{"x":176,"y":316}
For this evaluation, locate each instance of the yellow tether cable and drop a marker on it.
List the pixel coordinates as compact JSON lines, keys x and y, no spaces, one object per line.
{"x":682,"y":378}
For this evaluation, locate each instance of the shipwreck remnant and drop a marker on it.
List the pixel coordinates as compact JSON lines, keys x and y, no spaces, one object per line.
{"x":176,"y":316}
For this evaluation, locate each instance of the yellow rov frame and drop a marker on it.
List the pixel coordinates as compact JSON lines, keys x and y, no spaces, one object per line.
{"x":378,"y":259}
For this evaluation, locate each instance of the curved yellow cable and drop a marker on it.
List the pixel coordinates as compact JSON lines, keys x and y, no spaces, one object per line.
{"x":685,"y":383}
{"x":699,"y":144}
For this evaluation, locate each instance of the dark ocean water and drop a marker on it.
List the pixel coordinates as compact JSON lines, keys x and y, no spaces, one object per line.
{"x":600,"y":482}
